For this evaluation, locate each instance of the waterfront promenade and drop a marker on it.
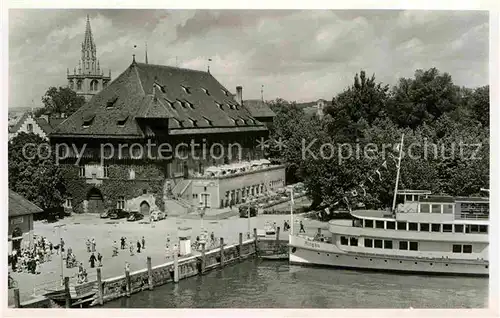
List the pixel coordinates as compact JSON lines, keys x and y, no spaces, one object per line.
{"x":79,"y":227}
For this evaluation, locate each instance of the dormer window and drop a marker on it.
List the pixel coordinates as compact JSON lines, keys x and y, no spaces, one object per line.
{"x":235,"y":121}
{"x":181,"y":103}
{"x":243,"y":121}
{"x":209,"y":122}
{"x":251,"y":121}
{"x":188,"y":104}
{"x":87,"y":120}
{"x":160,"y":87}
{"x":122,"y":120}
{"x":170,"y":103}
{"x":186,"y":89}
{"x":230,"y":106}
{"x":111,"y":103}
{"x":225,"y":92}
{"x":206,"y":91}
{"x":193,"y":122}
{"x":219,"y":105}
{"x":179,"y":122}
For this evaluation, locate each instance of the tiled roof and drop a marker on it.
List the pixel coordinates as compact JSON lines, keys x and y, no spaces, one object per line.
{"x":18,"y":205}
{"x":183,"y":98}
{"x":46,"y":127}
{"x":258,"y":108}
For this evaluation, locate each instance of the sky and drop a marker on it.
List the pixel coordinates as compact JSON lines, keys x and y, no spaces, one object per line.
{"x":296,"y":55}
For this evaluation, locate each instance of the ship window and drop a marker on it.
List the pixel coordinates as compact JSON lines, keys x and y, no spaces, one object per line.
{"x":424,"y":208}
{"x":344,"y":241}
{"x":353,"y":241}
{"x":447,"y":228}
{"x":368,"y":242}
{"x":436,"y":227}
{"x":424,"y":227}
{"x":448,"y":208}
{"x":403,"y":245}
{"x":388,"y":244}
{"x":413,"y":246}
{"x":391,"y":225}
{"x":467,"y":249}
{"x":408,"y":197}
{"x":413,"y":226}
{"x":459,"y":228}
{"x":436,"y":208}
{"x":472,"y":229}
{"x":369,"y":223}
{"x":378,"y":243}
{"x":457,"y":248}
{"x":379,"y":224}
{"x":402,"y":226}
{"x":483,"y":228}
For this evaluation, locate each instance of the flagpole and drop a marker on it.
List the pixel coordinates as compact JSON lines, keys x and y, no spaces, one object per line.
{"x":291,"y":211}
{"x":397,"y":173}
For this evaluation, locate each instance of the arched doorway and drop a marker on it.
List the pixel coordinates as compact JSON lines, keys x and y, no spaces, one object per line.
{"x":145,"y":208}
{"x":17,"y":237}
{"x":96,"y":202}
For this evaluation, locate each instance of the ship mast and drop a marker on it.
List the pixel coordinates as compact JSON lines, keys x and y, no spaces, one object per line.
{"x":397,"y":174}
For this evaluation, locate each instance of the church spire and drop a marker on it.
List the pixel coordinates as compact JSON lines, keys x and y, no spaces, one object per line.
{"x":89,"y":59}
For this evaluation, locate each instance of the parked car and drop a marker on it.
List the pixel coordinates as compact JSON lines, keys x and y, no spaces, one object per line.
{"x":157,"y":216}
{"x":243,"y":209}
{"x":117,"y":214}
{"x":135,"y":216}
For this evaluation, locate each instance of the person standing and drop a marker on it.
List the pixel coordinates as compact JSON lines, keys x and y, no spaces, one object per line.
{"x":143,"y":243}
{"x":138,"y":246}
{"x":62,"y":245}
{"x":88,"y":245}
{"x":302,"y":230}
{"x":51,"y":247}
{"x":122,"y":243}
{"x":93,"y":245}
{"x":92,"y":260}
{"x":131,"y":248}
{"x":115,"y":249}
{"x":99,"y":258}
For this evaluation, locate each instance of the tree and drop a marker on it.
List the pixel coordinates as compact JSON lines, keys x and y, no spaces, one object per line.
{"x":34,"y":174}
{"x":60,"y":100}
{"x":479,"y":105}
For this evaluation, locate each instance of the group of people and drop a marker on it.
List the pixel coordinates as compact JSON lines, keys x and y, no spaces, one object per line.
{"x":29,"y":259}
{"x":141,"y":244}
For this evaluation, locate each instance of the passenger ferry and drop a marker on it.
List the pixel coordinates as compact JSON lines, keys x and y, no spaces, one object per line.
{"x":429,"y":234}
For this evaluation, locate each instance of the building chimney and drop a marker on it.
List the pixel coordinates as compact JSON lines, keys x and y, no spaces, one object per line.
{"x":239,"y":95}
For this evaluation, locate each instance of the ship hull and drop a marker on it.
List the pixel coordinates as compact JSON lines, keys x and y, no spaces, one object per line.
{"x":307,"y":253}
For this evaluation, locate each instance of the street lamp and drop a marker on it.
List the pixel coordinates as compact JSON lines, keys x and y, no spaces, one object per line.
{"x":60,"y":247}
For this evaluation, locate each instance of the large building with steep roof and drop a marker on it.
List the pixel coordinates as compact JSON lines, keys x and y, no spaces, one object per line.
{"x":167,"y":138}
{"x":88,"y":79}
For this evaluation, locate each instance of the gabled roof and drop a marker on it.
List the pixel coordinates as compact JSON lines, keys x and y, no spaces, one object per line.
{"x":258,"y":108}
{"x":19,"y":123}
{"x":145,"y":91}
{"x":18,"y":205}
{"x":42,"y":123}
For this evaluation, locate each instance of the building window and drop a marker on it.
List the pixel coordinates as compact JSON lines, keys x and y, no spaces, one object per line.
{"x":413,"y":246}
{"x":402,"y":226}
{"x":81,"y":171}
{"x":388,"y":244}
{"x":106,"y":171}
{"x":344,"y":240}
{"x":472,"y":229}
{"x":459,"y":228}
{"x":353,"y":241}
{"x":424,"y":227}
{"x":391,"y":225}
{"x":483,"y":228}
{"x":144,"y":191}
{"x":30,"y":128}
{"x":403,"y":245}
{"x":448,"y":208}
{"x":467,"y":249}
{"x":79,"y":85}
{"x":413,"y":226}
{"x":378,"y":243}
{"x":379,"y":224}
{"x":368,"y":242}
{"x":424,"y":208}
{"x":369,"y":223}
{"x":436,"y":208}
{"x":68,"y":203}
{"x":435,"y":227}
{"x":447,"y":228}
{"x":121,"y":203}
{"x":457,"y":248}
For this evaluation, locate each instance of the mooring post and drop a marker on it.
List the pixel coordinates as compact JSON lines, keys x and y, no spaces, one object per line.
{"x":255,"y":239}
{"x":176,"y":267}
{"x":276,"y":248}
{"x":100,"y":291}
{"x":127,"y":282}
{"x":221,"y":252}
{"x":150,"y":273}
{"x":17,"y":299}
{"x":203,"y":259}
{"x":240,"y":249}
{"x":67,"y":295}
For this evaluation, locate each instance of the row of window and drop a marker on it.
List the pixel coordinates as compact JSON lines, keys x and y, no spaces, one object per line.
{"x":423,"y":227}
{"x":436,"y":208}
{"x":462,"y":248}
{"x":379,"y":243}
{"x":93,"y":85}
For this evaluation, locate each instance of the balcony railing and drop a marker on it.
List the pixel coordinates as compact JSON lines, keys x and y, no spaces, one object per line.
{"x":468,"y":216}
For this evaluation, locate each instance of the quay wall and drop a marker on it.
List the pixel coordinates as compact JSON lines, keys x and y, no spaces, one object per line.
{"x":137,"y":281}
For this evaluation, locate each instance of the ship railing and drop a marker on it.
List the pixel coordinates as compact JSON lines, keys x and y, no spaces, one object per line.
{"x":444,"y":259}
{"x":467,"y":216}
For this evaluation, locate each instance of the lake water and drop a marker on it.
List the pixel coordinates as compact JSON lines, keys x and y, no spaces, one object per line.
{"x":269,"y":284}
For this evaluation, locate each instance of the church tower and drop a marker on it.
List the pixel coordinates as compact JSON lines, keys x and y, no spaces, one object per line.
{"x":88,"y":79}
